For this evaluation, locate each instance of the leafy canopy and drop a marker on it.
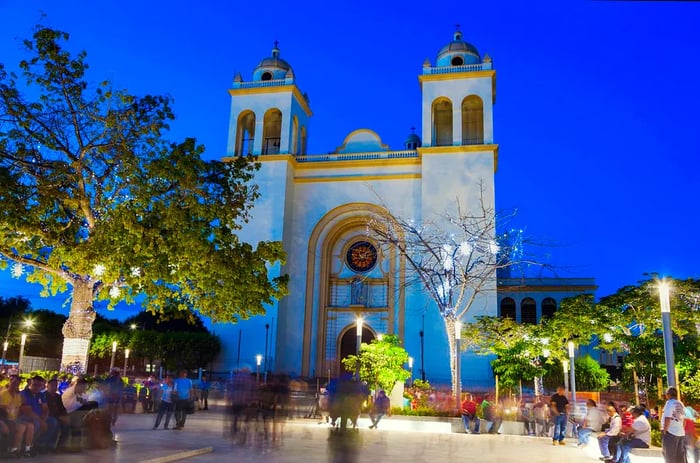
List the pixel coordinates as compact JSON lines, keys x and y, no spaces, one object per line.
{"x":93,"y":195}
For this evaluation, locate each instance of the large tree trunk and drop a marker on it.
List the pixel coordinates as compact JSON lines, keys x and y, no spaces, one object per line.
{"x":452,"y":343}
{"x":77,"y":331}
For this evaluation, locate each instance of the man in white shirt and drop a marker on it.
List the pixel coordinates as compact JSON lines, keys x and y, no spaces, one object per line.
{"x":639,"y":435}
{"x":592,"y":422}
{"x":607,"y":440}
{"x":672,"y":430}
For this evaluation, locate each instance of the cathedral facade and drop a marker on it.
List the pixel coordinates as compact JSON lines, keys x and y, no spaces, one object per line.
{"x":318,"y":206}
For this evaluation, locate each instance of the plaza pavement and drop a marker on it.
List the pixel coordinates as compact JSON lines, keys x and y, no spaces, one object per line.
{"x":307,"y":442}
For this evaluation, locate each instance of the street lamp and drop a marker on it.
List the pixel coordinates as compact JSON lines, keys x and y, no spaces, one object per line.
{"x":4,"y":351}
{"x":126,"y":360}
{"x":21,"y":351}
{"x":573,"y":373}
{"x":458,"y":358}
{"x":358,"y":332}
{"x":410,"y":367}
{"x":114,"y":353}
{"x":258,"y":360}
{"x":668,"y":333}
{"x":565,"y":365}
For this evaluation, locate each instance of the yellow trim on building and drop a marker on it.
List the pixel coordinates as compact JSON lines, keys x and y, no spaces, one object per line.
{"x":356,"y":178}
{"x":281,"y":89}
{"x":461,"y":75}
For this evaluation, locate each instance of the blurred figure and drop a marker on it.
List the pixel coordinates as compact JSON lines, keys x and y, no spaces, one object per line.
{"x":468,"y":412}
{"x":490,"y":413}
{"x":11,"y":402}
{"x":183,"y":396}
{"x":323,"y":406}
{"x":59,"y":412}
{"x":592,"y":422}
{"x":540,"y":412}
{"x":525,"y":417}
{"x":381,"y":407}
{"x":691,"y":436}
{"x":115,"y":391}
{"x":166,"y":405}
{"x":204,"y":386}
{"x":35,"y":409}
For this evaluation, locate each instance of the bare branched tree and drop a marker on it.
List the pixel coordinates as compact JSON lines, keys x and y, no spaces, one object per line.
{"x":454,"y":258}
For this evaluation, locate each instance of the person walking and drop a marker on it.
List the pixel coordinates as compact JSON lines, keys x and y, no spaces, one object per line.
{"x":183,"y":399}
{"x":204,"y":386}
{"x":559,"y":407}
{"x":380,"y":408}
{"x":166,"y":406}
{"x":672,"y":430}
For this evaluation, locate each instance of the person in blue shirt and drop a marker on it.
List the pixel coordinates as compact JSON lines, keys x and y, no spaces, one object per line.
{"x":183,"y":396}
{"x":166,"y":405}
{"x":204,"y":386}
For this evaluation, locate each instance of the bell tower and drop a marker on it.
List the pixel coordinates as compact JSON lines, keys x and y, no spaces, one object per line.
{"x":269,"y":115}
{"x":458,"y":96}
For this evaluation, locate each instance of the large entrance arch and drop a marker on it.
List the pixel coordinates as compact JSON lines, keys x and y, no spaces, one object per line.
{"x":347,"y":344}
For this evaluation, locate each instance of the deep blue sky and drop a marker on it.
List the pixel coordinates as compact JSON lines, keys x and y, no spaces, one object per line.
{"x":596,"y":112}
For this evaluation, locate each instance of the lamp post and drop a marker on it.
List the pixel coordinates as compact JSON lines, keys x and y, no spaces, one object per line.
{"x":565,"y":365}
{"x":23,"y":341}
{"x":358,"y":333}
{"x":4,"y":351}
{"x":668,"y":333}
{"x":422,"y":358}
{"x":267,"y":330}
{"x":126,"y":360}
{"x":573,"y":374}
{"x":258,"y":360}
{"x":458,"y":360}
{"x":114,"y":353}
{"x":410,"y":367}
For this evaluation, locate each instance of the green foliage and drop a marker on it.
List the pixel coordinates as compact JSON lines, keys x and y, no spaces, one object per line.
{"x":590,"y":376}
{"x":422,"y":411}
{"x":691,"y":388}
{"x":381,"y":362}
{"x":94,"y":195}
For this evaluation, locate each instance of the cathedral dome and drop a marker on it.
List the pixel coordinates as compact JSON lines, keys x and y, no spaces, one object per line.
{"x":458,"y":53}
{"x":273,"y":67}
{"x":413,"y":141}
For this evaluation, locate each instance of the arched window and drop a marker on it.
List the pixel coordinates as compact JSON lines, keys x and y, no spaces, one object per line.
{"x":303,"y":140}
{"x":508,"y":308}
{"x":442,"y":123}
{"x":472,"y":121}
{"x":245,"y":134}
{"x":549,"y":307}
{"x":295,"y":136}
{"x":528,"y":311}
{"x":272,"y":128}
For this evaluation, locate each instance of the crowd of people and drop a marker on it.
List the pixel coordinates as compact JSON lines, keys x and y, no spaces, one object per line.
{"x":618,"y":428}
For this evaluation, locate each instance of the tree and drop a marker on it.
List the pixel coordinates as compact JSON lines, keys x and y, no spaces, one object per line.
{"x":381,"y":362}
{"x":454,"y":258}
{"x":93,"y":198}
{"x":519,"y":352}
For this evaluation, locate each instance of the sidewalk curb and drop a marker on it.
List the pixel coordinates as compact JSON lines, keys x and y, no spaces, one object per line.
{"x":180,"y":455}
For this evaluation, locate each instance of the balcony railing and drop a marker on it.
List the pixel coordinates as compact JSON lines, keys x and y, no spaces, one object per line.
{"x":271,"y":146}
{"x":262,"y":83}
{"x":358,"y":156}
{"x":464,"y":68}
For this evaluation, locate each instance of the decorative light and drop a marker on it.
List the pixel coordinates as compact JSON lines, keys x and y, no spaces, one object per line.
{"x":410,"y":362}
{"x":458,"y":330}
{"x":114,"y":346}
{"x":607,"y":337}
{"x":114,"y":292}
{"x":544,"y":341}
{"x":126,"y":353}
{"x":17,"y":270}
{"x":135,"y":272}
{"x":258,"y":359}
{"x":358,"y":331}
{"x":448,"y":263}
{"x":494,"y":247}
{"x":380,"y":337}
{"x":99,"y":270}
{"x":465,"y":249}
{"x":546,"y":352}
{"x":664,"y":297}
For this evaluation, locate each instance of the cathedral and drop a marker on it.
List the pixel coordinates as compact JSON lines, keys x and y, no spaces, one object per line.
{"x":318,"y":206}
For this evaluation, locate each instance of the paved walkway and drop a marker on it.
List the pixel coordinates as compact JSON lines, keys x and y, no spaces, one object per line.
{"x":307,"y":442}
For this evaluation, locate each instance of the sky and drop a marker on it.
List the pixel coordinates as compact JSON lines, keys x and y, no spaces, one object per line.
{"x":596,"y":112}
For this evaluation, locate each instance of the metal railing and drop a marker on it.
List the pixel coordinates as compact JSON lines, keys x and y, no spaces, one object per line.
{"x":453,"y":69}
{"x":271,"y":146}
{"x":358,"y":156}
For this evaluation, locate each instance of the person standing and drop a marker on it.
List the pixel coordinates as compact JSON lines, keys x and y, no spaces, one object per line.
{"x":380,"y":408}
{"x":672,"y":430}
{"x":559,"y":406}
{"x":166,"y":406}
{"x":469,"y":415}
{"x":183,"y":396}
{"x":204,"y":386}
{"x":115,"y":391}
